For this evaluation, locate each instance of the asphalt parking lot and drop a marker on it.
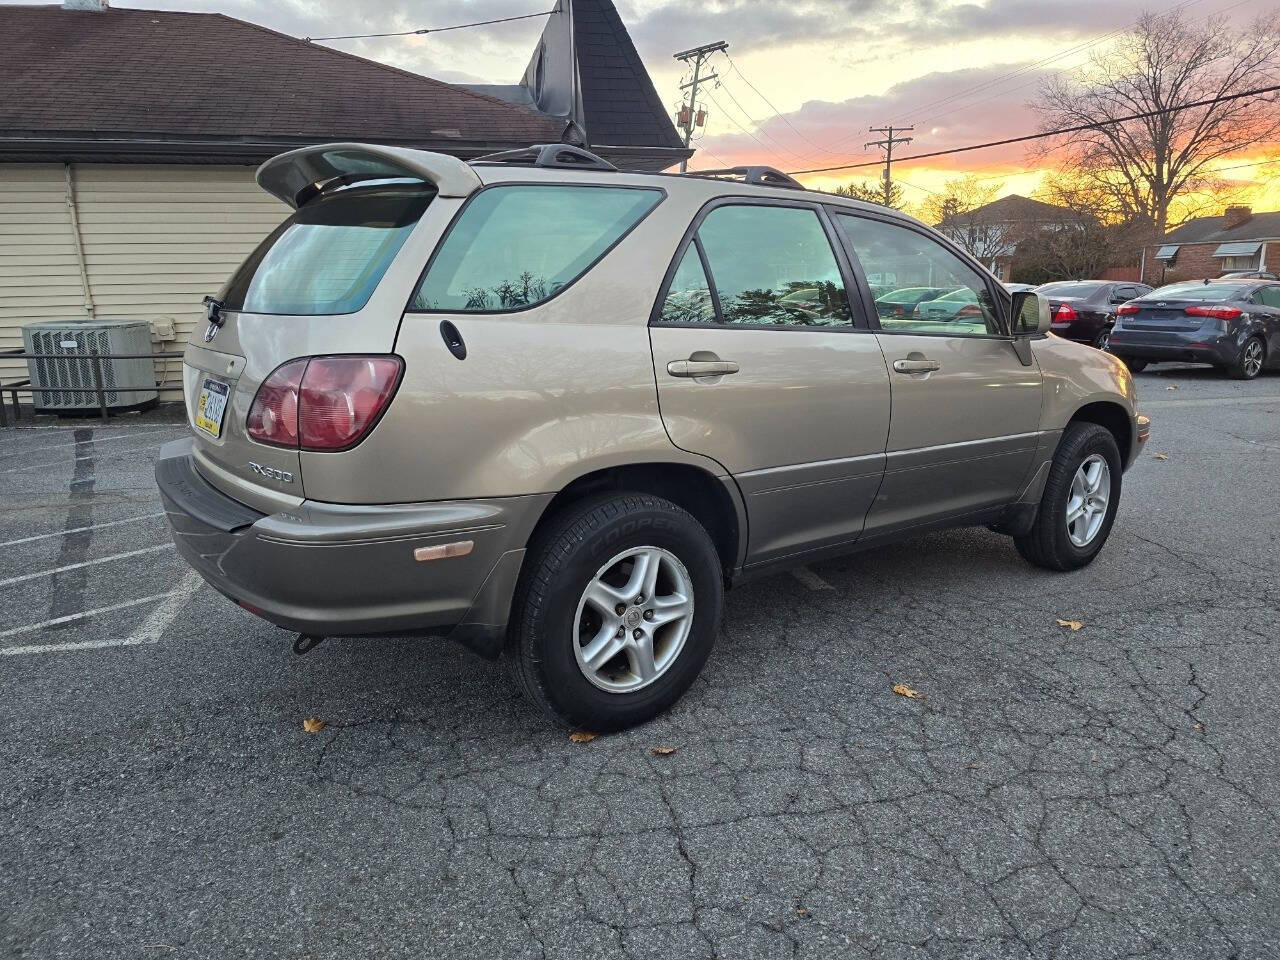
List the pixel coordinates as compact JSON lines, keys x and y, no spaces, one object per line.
{"x":1107,"y":792}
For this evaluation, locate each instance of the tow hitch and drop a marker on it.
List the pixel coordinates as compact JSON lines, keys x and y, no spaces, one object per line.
{"x":306,"y":643}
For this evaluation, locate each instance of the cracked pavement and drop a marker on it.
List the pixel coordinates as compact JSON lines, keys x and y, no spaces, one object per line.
{"x":1111,"y":792}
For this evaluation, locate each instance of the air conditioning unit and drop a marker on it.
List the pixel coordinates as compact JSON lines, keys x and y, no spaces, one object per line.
{"x":67,"y":385}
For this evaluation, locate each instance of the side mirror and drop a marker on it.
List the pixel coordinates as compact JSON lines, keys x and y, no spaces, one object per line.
{"x":1030,"y":314}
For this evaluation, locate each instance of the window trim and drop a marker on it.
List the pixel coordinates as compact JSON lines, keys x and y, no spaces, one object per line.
{"x":856,"y":310}
{"x":999,"y":296}
{"x":466,"y":205}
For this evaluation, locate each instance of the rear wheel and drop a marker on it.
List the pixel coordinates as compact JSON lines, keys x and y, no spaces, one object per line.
{"x":1102,"y":339}
{"x":1248,"y":363}
{"x":1134,"y":365}
{"x":1079,"y":502}
{"x":617,"y":611}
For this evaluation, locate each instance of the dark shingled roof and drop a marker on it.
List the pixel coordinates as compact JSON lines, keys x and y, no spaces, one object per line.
{"x":620,"y":104}
{"x":80,"y":85}
{"x":1260,"y":226}
{"x":1016,"y":208}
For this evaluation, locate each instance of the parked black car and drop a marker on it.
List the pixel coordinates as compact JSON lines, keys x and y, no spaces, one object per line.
{"x":1232,"y":324}
{"x":1084,"y":310}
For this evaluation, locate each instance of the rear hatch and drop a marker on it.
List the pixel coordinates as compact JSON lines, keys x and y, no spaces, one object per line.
{"x":332,"y":279}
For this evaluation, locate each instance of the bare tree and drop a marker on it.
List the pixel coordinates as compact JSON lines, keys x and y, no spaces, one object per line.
{"x":959,"y":213}
{"x":1159,"y":169}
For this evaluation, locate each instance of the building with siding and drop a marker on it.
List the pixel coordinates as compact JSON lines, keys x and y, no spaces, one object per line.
{"x":129,"y":140}
{"x":1208,"y":247}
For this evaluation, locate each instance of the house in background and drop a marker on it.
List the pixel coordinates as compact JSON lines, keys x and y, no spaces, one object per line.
{"x":992,"y":231}
{"x":1208,"y":247}
{"x":129,"y":140}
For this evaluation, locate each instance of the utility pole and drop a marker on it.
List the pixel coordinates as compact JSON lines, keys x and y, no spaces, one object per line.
{"x":887,"y":144}
{"x":699,"y":56}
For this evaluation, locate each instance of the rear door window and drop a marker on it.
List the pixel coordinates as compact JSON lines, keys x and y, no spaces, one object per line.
{"x":328,"y":257}
{"x":516,"y":246}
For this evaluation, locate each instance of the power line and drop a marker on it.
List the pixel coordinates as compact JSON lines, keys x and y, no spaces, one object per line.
{"x":888,"y":143}
{"x":699,"y":55}
{"x":423,"y":30}
{"x":1080,"y":128}
{"x":776,"y":112}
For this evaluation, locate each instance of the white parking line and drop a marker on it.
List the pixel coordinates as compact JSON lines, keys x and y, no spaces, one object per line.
{"x":59,"y":463}
{"x":149,"y":631}
{"x":71,"y":617}
{"x":810,"y":579}
{"x":84,"y":563}
{"x":96,"y":440}
{"x":92,"y":526}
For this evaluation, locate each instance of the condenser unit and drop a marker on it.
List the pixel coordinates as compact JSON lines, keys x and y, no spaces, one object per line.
{"x":66,"y":385}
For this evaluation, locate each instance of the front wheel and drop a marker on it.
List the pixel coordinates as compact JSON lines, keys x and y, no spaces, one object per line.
{"x":616,"y":612}
{"x":1079,"y":502}
{"x":1102,"y":339}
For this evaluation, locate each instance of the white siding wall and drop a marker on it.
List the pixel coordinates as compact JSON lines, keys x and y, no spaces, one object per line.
{"x":156,"y":240}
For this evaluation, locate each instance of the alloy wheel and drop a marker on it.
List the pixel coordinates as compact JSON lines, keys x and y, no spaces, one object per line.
{"x":1252,"y":358}
{"x":1087,"y":502}
{"x":633,"y":619}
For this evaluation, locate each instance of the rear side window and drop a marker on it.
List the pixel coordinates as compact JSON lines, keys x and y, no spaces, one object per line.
{"x":516,"y":246}
{"x":329,"y":256}
{"x":1070,"y":288}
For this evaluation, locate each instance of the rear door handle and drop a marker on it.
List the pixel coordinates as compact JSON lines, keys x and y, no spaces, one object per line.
{"x":916,"y":366}
{"x":701,"y":368}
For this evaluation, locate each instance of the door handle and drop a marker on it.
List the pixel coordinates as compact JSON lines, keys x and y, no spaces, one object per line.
{"x":916,"y":366}
{"x":701,"y":368}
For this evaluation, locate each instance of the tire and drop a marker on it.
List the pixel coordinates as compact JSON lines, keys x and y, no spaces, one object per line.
{"x":1050,"y":543}
{"x":1250,"y":361}
{"x":553,"y":621}
{"x":1100,"y":341}
{"x":1134,"y":365}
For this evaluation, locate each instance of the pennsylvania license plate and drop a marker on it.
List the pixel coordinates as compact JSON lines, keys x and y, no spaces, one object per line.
{"x":212,"y":406}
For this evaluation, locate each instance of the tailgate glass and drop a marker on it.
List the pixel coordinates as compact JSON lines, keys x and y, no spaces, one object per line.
{"x":329,"y":256}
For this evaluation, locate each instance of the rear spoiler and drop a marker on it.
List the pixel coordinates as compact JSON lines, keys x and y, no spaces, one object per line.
{"x":301,"y":175}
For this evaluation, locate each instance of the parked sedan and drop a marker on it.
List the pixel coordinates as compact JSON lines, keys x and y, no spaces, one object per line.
{"x":1084,"y":310}
{"x":1232,"y":324}
{"x":958,"y":303}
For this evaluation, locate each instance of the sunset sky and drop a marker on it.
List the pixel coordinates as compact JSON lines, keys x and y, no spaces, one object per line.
{"x":959,"y":71}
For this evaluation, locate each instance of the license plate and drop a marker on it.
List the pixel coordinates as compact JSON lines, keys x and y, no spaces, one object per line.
{"x":211,"y":406}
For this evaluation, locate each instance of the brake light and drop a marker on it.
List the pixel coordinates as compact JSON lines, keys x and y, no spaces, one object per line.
{"x":969,"y":310}
{"x":1218,"y":313}
{"x":323,"y":403}
{"x":273,"y":416}
{"x":1064,"y":314}
{"x":1127,"y":309}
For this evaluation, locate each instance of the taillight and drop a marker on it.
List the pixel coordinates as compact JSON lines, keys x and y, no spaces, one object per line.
{"x":323,"y":403}
{"x":273,"y":417}
{"x":1218,"y":313}
{"x":1127,"y":309}
{"x":969,"y":310}
{"x":1064,"y":314}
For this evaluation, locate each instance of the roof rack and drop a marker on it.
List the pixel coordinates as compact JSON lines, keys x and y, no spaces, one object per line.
{"x":760,"y":176}
{"x":549,"y":155}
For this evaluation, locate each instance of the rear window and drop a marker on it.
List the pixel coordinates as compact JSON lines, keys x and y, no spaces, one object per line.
{"x":516,"y":246}
{"x":1080,"y":290}
{"x":329,"y":256}
{"x":1208,"y":292}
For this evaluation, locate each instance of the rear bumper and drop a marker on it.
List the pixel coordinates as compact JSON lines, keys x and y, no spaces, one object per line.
{"x":330,"y":569}
{"x":1081,"y":331}
{"x":1192,"y":346}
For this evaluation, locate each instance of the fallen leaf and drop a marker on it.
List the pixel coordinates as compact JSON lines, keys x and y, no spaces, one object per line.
{"x":801,"y":911}
{"x":971,"y":766}
{"x":1174,"y":387}
{"x":1072,"y":625}
{"x":902,"y":690}
{"x":581,"y":736}
{"x":1160,"y":456}
{"x":313,"y":724}
{"x":663,"y":751}
{"x":1093,"y":759}
{"x":1200,"y":726}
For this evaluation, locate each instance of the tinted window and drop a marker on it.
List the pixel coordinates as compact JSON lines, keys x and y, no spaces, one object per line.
{"x":1269,"y":296}
{"x":914,"y":260}
{"x":1211,"y":292}
{"x":329,"y":256}
{"x":689,"y":299}
{"x":516,"y":246}
{"x":1122,"y":294}
{"x":774,"y":266}
{"x":1070,"y":289}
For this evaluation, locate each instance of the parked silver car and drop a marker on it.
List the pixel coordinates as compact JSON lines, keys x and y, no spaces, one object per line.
{"x":552,"y":410}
